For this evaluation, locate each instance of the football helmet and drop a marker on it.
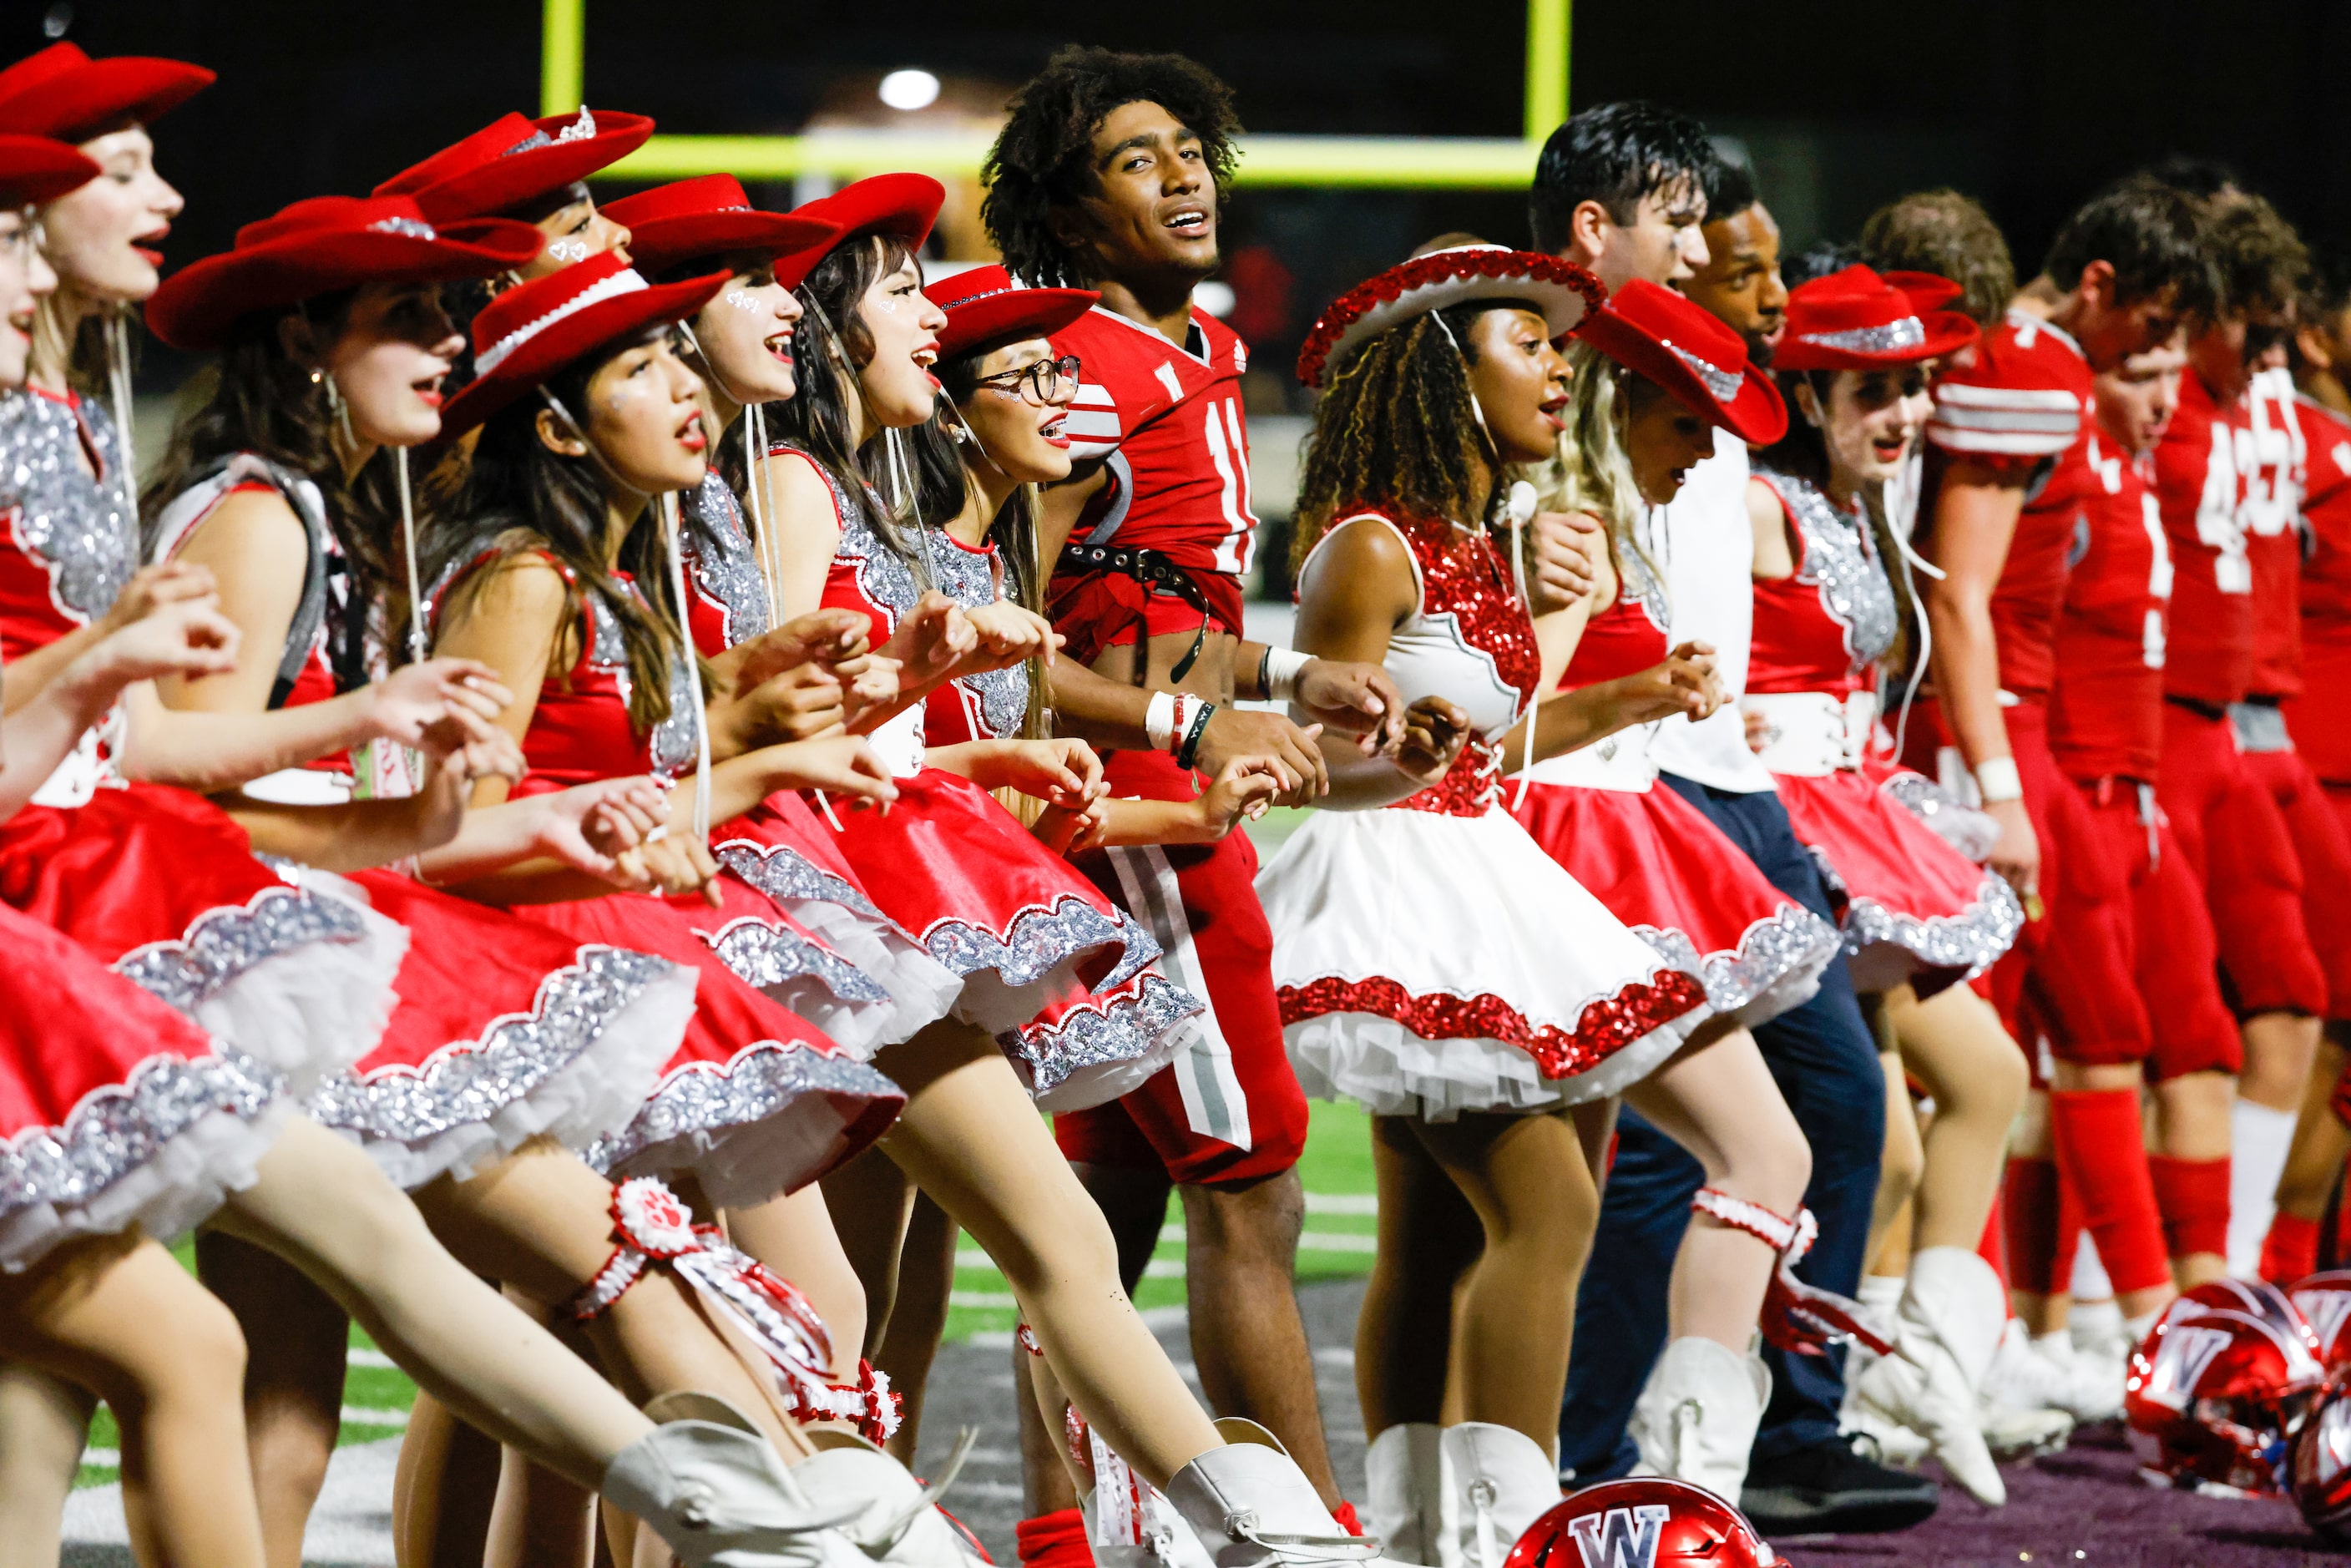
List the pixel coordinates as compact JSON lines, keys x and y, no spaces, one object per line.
{"x":1649,"y":1522}
{"x":2325,"y":1303}
{"x":2220,"y":1391}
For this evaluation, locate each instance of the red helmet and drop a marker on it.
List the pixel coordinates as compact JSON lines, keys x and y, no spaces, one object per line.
{"x":2318,"y":1471}
{"x":2220,"y":1391}
{"x":2325,"y":1303}
{"x":1652,"y":1523}
{"x":2255,"y":1299}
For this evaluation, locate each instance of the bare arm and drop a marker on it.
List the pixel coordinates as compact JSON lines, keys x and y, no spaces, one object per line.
{"x":1976,"y":510}
{"x":1774,"y":557}
{"x":1357,"y":587}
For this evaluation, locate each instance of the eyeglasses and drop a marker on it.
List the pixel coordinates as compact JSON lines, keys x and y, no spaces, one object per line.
{"x":25,"y":244}
{"x":1046,"y":381}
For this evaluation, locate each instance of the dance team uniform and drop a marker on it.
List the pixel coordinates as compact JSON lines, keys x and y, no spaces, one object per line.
{"x":1512,"y":988}
{"x":1912,"y":907}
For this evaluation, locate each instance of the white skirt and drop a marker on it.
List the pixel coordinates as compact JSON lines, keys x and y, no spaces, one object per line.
{"x":1430,"y":964}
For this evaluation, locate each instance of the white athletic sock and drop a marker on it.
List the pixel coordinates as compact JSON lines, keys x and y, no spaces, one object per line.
{"x":2090,"y":1281}
{"x":1882,"y":1294}
{"x":2258,"y":1139}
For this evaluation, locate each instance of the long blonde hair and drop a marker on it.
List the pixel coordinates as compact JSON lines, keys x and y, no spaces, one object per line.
{"x":1593,"y":471}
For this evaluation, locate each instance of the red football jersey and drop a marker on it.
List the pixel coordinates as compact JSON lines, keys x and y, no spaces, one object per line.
{"x":1166,"y":420}
{"x":2200,"y":482}
{"x":2273,"y":533}
{"x":2024,"y":401}
{"x":2105,"y":707}
{"x":2315,"y":717}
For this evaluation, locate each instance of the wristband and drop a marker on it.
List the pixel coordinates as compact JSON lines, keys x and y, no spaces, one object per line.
{"x":1188,"y":754}
{"x":1998,"y":781}
{"x":1159,"y":721}
{"x":1280,"y":670}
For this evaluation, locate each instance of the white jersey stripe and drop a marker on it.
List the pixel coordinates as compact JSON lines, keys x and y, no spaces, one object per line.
{"x":1214,"y":1104}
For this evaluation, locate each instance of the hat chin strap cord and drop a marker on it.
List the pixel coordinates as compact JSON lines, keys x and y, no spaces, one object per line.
{"x":118,"y":376}
{"x":754,"y":425}
{"x":665,"y":507}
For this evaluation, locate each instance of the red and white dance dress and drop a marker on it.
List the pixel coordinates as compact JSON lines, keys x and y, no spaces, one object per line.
{"x":284,"y":963}
{"x":1066,"y":981}
{"x":1430,"y":958}
{"x":504,"y":1030}
{"x":757,"y":1100}
{"x":115,"y":1110}
{"x":1653,"y":858}
{"x":1913,"y":908}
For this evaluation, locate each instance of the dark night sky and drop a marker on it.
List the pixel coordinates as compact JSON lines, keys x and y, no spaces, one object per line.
{"x":2025,"y":103}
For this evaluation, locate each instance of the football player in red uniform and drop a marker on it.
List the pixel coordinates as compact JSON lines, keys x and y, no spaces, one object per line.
{"x":2008,"y":471}
{"x":2209,"y":486}
{"x":1107,"y":176}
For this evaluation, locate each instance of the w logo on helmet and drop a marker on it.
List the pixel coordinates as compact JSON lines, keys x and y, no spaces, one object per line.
{"x":1621,"y":1537}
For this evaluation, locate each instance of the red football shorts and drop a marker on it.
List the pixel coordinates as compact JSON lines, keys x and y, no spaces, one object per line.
{"x":2322,"y":846}
{"x":2081,"y":976}
{"x":2236,"y":841}
{"x":1228,"y":1111}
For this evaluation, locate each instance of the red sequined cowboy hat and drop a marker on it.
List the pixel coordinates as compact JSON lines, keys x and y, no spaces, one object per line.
{"x":1565,"y":293}
{"x":1655,"y":332}
{"x":532,"y":330}
{"x":902,"y":205}
{"x":986,"y":309}
{"x":512,"y":160}
{"x":709,"y":216}
{"x":62,"y":92}
{"x":1856,"y":320}
{"x":321,"y":245}
{"x":36,"y":168}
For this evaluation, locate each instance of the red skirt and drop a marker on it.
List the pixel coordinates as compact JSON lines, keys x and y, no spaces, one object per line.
{"x":756,"y":1101}
{"x":783,"y":849}
{"x":504,"y":1030}
{"x":115,"y":1110}
{"x":1666,"y":871}
{"x":163,"y":886}
{"x":1913,"y":908}
{"x":1031,"y":939}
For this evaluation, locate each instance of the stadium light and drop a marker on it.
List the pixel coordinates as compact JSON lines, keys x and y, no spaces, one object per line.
{"x":1458,"y":162}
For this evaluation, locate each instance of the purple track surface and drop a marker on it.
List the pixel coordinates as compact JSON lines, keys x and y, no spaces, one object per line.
{"x":2084,"y":1508}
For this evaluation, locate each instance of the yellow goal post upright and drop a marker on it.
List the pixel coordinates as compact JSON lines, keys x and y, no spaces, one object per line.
{"x":1454,"y":163}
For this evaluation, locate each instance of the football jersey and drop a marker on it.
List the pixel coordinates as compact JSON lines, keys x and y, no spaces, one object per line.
{"x":2024,"y":402}
{"x":1166,"y":420}
{"x":2105,"y":706}
{"x":2315,"y":717}
{"x":2199,"y":482}
{"x":2273,"y":533}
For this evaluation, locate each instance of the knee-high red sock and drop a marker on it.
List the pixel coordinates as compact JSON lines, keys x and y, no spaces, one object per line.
{"x":2290,"y":1252}
{"x":2028,"y":1205}
{"x":2096,"y":1132}
{"x":2194,"y":1198}
{"x":1055,"y":1540}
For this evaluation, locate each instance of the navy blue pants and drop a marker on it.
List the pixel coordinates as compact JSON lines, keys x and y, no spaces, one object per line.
{"x":1825,"y":1061}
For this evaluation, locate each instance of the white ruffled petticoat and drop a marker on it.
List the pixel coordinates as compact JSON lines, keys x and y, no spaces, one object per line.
{"x":1430,"y":964}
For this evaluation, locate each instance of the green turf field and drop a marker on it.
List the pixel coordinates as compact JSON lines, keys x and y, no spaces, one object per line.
{"x":1339,"y":1223}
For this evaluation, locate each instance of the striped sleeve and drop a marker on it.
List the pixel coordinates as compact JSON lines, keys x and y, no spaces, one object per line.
{"x":1092,"y":426}
{"x":1976,"y":421}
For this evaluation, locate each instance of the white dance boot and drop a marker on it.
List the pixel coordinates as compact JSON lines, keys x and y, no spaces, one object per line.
{"x":1410,"y":1495}
{"x":1501,"y":1481}
{"x":896,"y":1519}
{"x":1945,"y":1336}
{"x":715,"y":1490}
{"x":1250,"y":1504}
{"x":1696,"y":1417}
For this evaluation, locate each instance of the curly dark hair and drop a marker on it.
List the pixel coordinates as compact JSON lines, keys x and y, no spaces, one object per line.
{"x":1043,"y":158}
{"x":1949,"y":235}
{"x":1397,"y":427}
{"x":2154,"y":235}
{"x":1615,"y":155}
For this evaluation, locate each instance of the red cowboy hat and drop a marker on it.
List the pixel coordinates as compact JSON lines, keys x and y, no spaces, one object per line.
{"x":532,"y":330}
{"x":1856,"y":320}
{"x":1685,"y":350}
{"x":1928,"y":290}
{"x":36,"y":169}
{"x":986,"y":309}
{"x":1564,"y":292}
{"x":512,"y":160}
{"x":902,"y":205}
{"x":320,"y":244}
{"x":710,"y":216}
{"x":62,"y":92}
